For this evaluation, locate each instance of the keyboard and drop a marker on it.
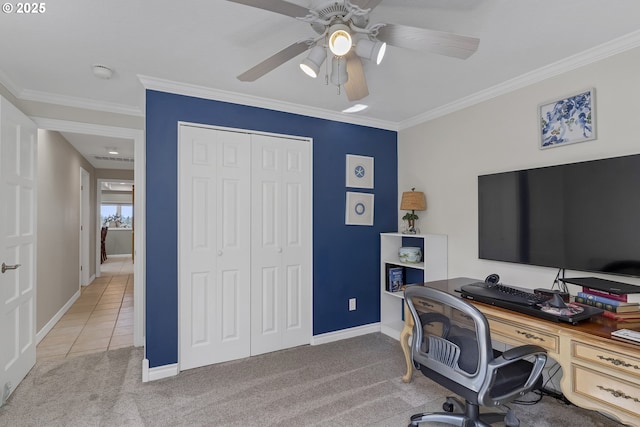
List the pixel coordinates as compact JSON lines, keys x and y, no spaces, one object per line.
{"x":522,"y":301}
{"x":503,"y":293}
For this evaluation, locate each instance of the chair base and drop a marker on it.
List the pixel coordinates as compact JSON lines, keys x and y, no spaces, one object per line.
{"x":468,"y":416}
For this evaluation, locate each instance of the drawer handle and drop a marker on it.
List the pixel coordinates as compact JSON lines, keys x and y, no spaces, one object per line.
{"x":426,"y":304}
{"x":618,"y":362}
{"x":618,"y":393}
{"x":529,"y":335}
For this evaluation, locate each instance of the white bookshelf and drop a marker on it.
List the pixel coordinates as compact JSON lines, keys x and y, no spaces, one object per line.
{"x":434,"y":267}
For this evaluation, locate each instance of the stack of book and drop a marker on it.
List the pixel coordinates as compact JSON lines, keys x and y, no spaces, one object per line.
{"x":621,"y":307}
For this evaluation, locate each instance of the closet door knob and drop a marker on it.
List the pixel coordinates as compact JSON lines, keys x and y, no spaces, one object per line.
{"x":279,"y":250}
{"x":219,"y":253}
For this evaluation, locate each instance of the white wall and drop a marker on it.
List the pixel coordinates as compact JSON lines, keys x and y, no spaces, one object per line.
{"x":58,"y":242}
{"x":444,"y":156}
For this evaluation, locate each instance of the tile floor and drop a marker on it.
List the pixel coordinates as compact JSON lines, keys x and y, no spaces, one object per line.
{"x":101,"y":318}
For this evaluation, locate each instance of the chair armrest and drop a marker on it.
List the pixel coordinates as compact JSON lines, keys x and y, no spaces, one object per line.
{"x":522,"y":351}
{"x":508,"y":357}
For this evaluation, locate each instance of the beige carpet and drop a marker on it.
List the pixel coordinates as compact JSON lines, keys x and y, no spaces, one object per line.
{"x":354,"y":382}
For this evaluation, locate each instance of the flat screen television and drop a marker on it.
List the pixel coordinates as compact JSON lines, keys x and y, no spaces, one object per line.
{"x":580,"y":216}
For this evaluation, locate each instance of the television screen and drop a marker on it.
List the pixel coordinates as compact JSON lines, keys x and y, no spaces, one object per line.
{"x":580,"y":216}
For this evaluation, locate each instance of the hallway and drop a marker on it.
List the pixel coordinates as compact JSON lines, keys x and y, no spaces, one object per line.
{"x":101,"y":319}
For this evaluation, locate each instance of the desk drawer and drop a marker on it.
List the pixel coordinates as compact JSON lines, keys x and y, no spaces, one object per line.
{"x":523,"y":335}
{"x":608,"y":357}
{"x":608,"y":390}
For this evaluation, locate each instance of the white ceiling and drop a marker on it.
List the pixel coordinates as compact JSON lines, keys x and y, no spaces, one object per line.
{"x":48,"y":57}
{"x":96,"y":150}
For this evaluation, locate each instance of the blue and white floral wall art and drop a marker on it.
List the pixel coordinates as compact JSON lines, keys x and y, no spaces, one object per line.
{"x":568,"y":120}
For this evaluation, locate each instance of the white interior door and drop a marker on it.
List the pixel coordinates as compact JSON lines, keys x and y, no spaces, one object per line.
{"x":281,"y":243}
{"x":214,"y":246}
{"x":18,"y":172}
{"x":84,"y":227}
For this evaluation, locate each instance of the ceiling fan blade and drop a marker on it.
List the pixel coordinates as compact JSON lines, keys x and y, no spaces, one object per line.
{"x":356,"y":86}
{"x":366,"y":4}
{"x":277,"y":6}
{"x":274,"y":61}
{"x":424,"y":40}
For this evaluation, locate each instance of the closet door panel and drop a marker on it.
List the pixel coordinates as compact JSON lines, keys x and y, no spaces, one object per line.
{"x":281,"y":187}
{"x":214,"y":246}
{"x":296,"y":182}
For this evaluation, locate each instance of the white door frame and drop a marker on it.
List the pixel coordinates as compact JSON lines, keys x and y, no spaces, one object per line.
{"x":84,"y":226}
{"x":137,"y":136}
{"x":99,"y":183}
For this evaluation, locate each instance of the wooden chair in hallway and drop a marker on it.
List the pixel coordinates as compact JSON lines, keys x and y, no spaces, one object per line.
{"x":103,"y":248}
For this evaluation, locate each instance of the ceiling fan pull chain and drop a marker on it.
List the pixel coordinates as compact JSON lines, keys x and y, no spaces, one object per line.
{"x":326,"y":65}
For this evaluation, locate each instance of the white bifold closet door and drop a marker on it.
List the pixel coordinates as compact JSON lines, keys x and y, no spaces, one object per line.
{"x":214,"y":245}
{"x":280,"y":240}
{"x":244,"y":244}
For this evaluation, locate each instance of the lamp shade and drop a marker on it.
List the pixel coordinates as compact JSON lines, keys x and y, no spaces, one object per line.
{"x":371,"y":50}
{"x":311,"y":65}
{"x":339,"y":39}
{"x":413,"y":201}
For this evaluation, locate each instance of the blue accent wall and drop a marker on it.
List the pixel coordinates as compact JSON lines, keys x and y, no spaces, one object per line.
{"x":345,"y":257}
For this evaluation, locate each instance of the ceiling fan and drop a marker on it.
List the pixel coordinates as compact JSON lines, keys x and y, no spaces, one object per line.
{"x":343,"y":30}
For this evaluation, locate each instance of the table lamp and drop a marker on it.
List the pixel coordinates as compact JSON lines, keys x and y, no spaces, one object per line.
{"x":412,"y":201}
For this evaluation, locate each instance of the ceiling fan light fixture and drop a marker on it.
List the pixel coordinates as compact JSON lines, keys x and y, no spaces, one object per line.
{"x":371,"y":50}
{"x":339,"y":39}
{"x":311,"y":64}
{"x":339,"y":74}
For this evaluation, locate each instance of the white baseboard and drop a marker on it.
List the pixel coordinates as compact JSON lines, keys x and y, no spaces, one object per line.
{"x":159,"y":372}
{"x":51,"y":323}
{"x":345,"y":333}
{"x":91,"y":279}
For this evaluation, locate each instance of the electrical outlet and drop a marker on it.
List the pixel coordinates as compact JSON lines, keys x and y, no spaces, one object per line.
{"x":352,"y":304}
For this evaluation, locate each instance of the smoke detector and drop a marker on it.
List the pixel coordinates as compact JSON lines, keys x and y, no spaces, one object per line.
{"x":102,"y":71}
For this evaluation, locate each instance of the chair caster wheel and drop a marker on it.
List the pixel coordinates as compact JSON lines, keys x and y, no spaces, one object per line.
{"x":448,"y":407}
{"x":510,"y":419}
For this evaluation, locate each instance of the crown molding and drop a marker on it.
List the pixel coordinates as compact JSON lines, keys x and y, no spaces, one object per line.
{"x":187,"y":89}
{"x":68,"y":101}
{"x":83,"y":103}
{"x":603,"y":51}
{"x":88,"y":128}
{"x":7,"y":83}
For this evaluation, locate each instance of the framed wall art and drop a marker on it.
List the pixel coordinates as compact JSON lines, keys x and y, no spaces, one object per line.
{"x":359,"y":171}
{"x":359,"y":209}
{"x":568,"y":120}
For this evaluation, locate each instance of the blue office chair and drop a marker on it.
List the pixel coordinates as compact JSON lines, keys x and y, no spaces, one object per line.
{"x":452,"y":346}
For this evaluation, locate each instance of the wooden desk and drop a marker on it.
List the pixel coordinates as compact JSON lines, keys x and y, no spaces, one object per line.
{"x":598,"y":372}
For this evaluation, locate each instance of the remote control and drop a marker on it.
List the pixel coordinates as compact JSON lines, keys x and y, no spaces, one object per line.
{"x":627,"y":334}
